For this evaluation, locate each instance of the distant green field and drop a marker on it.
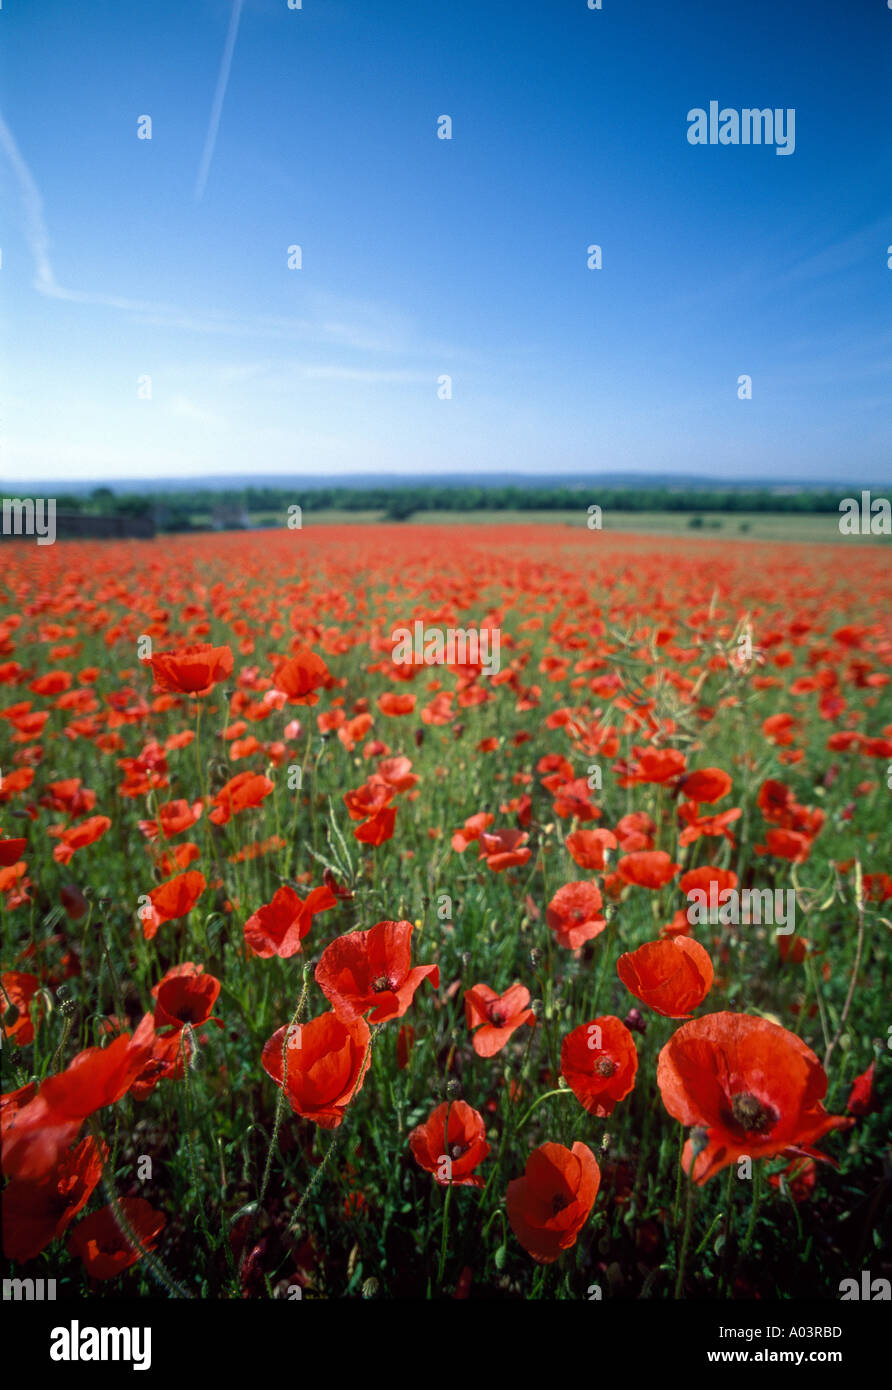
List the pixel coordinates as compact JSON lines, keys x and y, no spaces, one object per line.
{"x":774,"y":526}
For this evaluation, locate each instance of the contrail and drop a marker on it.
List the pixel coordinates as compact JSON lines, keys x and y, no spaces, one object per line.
{"x":38,"y":237}
{"x":219,"y":94}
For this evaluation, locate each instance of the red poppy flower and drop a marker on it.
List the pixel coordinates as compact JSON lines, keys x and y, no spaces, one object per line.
{"x":598,"y":1062}
{"x":671,"y":976}
{"x":656,"y":765}
{"x":43,"y":1128}
{"x":635,"y":831}
{"x":878,"y":887}
{"x":245,"y":790}
{"x":327,"y":1060}
{"x":277,"y":928}
{"x":861,"y":1097}
{"x":588,"y":847}
{"x":697,"y":825}
{"x":405,"y":1042}
{"x":377,"y":828}
{"x":372,"y":796}
{"x":471,"y":830}
{"x":372,"y":970}
{"x":753,"y":1087}
{"x":17,"y":989}
{"x":300,"y":676}
{"x":11,"y":1103}
{"x":16,"y":781}
{"x":69,"y":795}
{"x":185,"y":999}
{"x":551,"y":1203}
{"x":574,"y":914}
{"x":706,"y":784}
{"x":779,"y":729}
{"x":173,"y":819}
{"x":79,"y":836}
{"x":397,"y":772}
{"x":191,"y":670}
{"x":35,"y":1213}
{"x":709,"y":879}
{"x":171,"y":900}
{"x":451,"y":1157}
{"x":503,"y":849}
{"x":786,"y":844}
{"x":574,"y":799}
{"x":102,"y":1245}
{"x":496,"y":1016}
{"x":11,"y":851}
{"x":800,"y":1176}
{"x":392,"y":704}
{"x":647,"y":868}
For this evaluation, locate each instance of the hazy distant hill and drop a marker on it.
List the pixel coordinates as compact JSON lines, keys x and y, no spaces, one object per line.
{"x":220,"y":482}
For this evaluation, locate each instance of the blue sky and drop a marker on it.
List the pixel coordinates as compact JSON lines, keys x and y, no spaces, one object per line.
{"x":124,"y":258}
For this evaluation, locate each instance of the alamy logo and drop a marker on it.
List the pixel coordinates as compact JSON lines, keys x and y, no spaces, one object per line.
{"x":32,"y":517}
{"x":872,"y":517}
{"x":76,"y":1343}
{"x":460,"y":646}
{"x":30,"y":1290}
{"x":749,"y":126}
{"x":872,"y":1290}
{"x":753,"y":905}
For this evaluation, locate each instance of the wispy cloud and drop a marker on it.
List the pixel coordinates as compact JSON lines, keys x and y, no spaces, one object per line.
{"x":219,"y":97}
{"x":340,"y":324}
{"x":38,"y":239}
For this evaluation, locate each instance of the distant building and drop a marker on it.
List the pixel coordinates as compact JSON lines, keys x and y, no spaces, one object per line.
{"x":82,"y":526}
{"x":228,"y":516}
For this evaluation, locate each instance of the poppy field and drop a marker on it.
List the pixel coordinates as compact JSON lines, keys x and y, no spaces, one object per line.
{"x":335,"y":972}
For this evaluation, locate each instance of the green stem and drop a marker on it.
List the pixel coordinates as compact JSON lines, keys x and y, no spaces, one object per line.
{"x":561,"y":1091}
{"x":442,"y":1264}
{"x":686,"y":1238}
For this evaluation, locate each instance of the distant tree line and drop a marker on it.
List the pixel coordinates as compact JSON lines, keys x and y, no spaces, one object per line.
{"x":194,"y":508}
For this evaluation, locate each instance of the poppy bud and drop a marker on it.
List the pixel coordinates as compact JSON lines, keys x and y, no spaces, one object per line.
{"x":369,"y":1288}
{"x":535,"y":956}
{"x":73,"y":901}
{"x":419,"y":737}
{"x":453,"y":1088}
{"x":635,"y":1021}
{"x":457,"y":730}
{"x":465,"y":959}
{"x":67,"y":1005}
